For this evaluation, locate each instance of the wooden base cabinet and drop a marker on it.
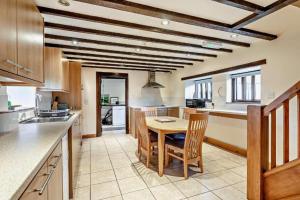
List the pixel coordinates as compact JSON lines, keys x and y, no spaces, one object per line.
{"x":48,"y":183}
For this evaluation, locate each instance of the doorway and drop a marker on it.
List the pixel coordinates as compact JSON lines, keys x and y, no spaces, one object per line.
{"x":112,"y":102}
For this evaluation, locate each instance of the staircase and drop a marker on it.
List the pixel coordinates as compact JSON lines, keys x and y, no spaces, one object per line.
{"x":267,"y":180}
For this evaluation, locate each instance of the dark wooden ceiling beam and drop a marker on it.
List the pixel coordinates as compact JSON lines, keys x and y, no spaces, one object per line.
{"x":177,"y":17}
{"x":123,"y":68}
{"x":241,"y":4}
{"x":102,"y":20}
{"x":120,"y":52}
{"x":121,"y":65}
{"x":71,"y":53}
{"x":114,"y":44}
{"x":134,"y":37}
{"x":121,"y":62}
{"x":267,"y":11}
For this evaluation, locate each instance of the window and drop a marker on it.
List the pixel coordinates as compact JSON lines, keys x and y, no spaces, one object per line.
{"x":246,"y":87}
{"x":203,"y":89}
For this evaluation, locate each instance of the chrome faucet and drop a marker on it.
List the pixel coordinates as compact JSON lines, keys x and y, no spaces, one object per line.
{"x":38,"y":98}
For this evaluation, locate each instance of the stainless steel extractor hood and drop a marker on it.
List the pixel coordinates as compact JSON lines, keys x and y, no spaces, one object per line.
{"x":151,"y":81}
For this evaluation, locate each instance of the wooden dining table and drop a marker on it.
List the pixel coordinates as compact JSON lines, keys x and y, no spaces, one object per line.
{"x":162,"y":128}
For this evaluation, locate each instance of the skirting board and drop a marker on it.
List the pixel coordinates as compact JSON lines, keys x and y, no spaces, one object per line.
{"x":228,"y":147}
{"x":85,"y":136}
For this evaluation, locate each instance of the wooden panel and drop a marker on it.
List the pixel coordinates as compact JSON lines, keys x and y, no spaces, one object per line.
{"x":133,"y":124}
{"x":243,"y":66}
{"x":286,"y":131}
{"x":273,"y":139}
{"x":173,"y":112}
{"x":228,"y":147}
{"x":257,"y":151}
{"x":66,"y":75}
{"x":53,"y":69}
{"x":298,"y":123}
{"x":36,"y":184}
{"x":162,"y":112}
{"x":8,"y":35}
{"x":283,"y":182}
{"x":30,"y":51}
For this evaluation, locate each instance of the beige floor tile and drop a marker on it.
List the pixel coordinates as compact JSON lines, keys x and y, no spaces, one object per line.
{"x":153,"y":179}
{"x":211,"y":181}
{"x":83,"y":180}
{"x":229,"y":177}
{"x":100,"y":167}
{"x":213,"y":166}
{"x":190,"y":187}
{"x":114,"y":198}
{"x":102,"y":177}
{"x":142,"y":169}
{"x":230,"y":193}
{"x":139,"y":195}
{"x":166,"y":192}
{"x":121,"y":163}
{"x":105,"y":190}
{"x":205,"y":196}
{"x":131,"y":184}
{"x":126,"y":172}
{"x":228,"y":164}
{"x":82,"y":193}
{"x":242,"y":171}
{"x":242,"y":186}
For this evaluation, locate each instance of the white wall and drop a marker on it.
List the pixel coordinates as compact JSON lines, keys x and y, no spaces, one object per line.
{"x":114,"y":88}
{"x":137,"y":79}
{"x":281,"y":71}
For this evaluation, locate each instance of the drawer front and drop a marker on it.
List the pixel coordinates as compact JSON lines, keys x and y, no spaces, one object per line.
{"x":55,"y":156}
{"x":35,"y":189}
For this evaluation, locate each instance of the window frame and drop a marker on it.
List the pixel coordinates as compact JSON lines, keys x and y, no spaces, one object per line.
{"x":200,"y":82}
{"x":243,"y":76}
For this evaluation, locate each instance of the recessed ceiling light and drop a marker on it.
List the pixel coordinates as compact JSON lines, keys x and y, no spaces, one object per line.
{"x":74,"y":42}
{"x":138,"y":49}
{"x":234,"y":35}
{"x":64,"y":2}
{"x":165,"y":22}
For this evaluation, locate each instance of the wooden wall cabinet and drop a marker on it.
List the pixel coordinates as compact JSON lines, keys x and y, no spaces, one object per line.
{"x":22,"y":41}
{"x":56,"y":71}
{"x":48,"y":183}
{"x":73,"y":98}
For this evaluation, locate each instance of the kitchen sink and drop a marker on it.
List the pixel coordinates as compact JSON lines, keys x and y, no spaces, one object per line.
{"x":46,"y":119}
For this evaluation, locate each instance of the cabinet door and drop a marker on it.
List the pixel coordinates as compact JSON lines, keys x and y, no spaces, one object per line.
{"x":65,"y":76}
{"x":173,"y":112}
{"x":55,"y":186}
{"x":8,"y":35}
{"x":33,"y":190}
{"x":30,"y":40}
{"x":53,"y":69}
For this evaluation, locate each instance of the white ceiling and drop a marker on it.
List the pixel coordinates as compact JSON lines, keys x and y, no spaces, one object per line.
{"x":201,"y":8}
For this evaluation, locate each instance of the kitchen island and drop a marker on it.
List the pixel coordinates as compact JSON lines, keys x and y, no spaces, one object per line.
{"x":28,"y":147}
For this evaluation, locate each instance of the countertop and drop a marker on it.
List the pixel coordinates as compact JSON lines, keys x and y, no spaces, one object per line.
{"x":23,"y":152}
{"x":154,"y":106}
{"x":235,"y":112}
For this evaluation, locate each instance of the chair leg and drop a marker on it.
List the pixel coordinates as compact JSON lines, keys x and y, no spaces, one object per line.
{"x":167,"y":157}
{"x":200,"y":164}
{"x":185,"y":169}
{"x":148,"y":157}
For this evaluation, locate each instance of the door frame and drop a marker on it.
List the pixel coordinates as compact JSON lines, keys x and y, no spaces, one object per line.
{"x":111,"y":75}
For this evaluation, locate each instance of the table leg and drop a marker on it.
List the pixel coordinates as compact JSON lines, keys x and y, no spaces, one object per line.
{"x":161,"y":150}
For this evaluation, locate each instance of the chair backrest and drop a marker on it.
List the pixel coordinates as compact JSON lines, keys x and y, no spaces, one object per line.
{"x":142,"y":129}
{"x":187,"y":112}
{"x":195,"y":134}
{"x":150,"y":111}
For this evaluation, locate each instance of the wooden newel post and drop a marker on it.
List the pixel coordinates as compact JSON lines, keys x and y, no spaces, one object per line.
{"x":257,"y":151}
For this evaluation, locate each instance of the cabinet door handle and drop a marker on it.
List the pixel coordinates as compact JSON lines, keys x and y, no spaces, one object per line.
{"x":44,"y":186}
{"x":55,"y":164}
{"x":26,"y":69}
{"x":10,"y":62}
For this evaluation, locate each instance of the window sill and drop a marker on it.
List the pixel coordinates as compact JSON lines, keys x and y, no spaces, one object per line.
{"x":245,"y":102}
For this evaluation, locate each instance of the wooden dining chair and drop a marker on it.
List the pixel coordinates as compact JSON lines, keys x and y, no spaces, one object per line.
{"x":190,"y":150}
{"x":150,"y":111}
{"x":146,"y":140}
{"x":187,"y":112}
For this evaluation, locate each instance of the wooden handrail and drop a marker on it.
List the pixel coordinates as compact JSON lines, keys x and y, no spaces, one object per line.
{"x":289,"y":94}
{"x":282,"y":168}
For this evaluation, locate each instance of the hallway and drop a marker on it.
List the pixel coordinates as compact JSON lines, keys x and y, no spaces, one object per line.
{"x":110,"y":169}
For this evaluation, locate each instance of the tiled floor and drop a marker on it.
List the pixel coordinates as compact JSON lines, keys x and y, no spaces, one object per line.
{"x":109,"y":169}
